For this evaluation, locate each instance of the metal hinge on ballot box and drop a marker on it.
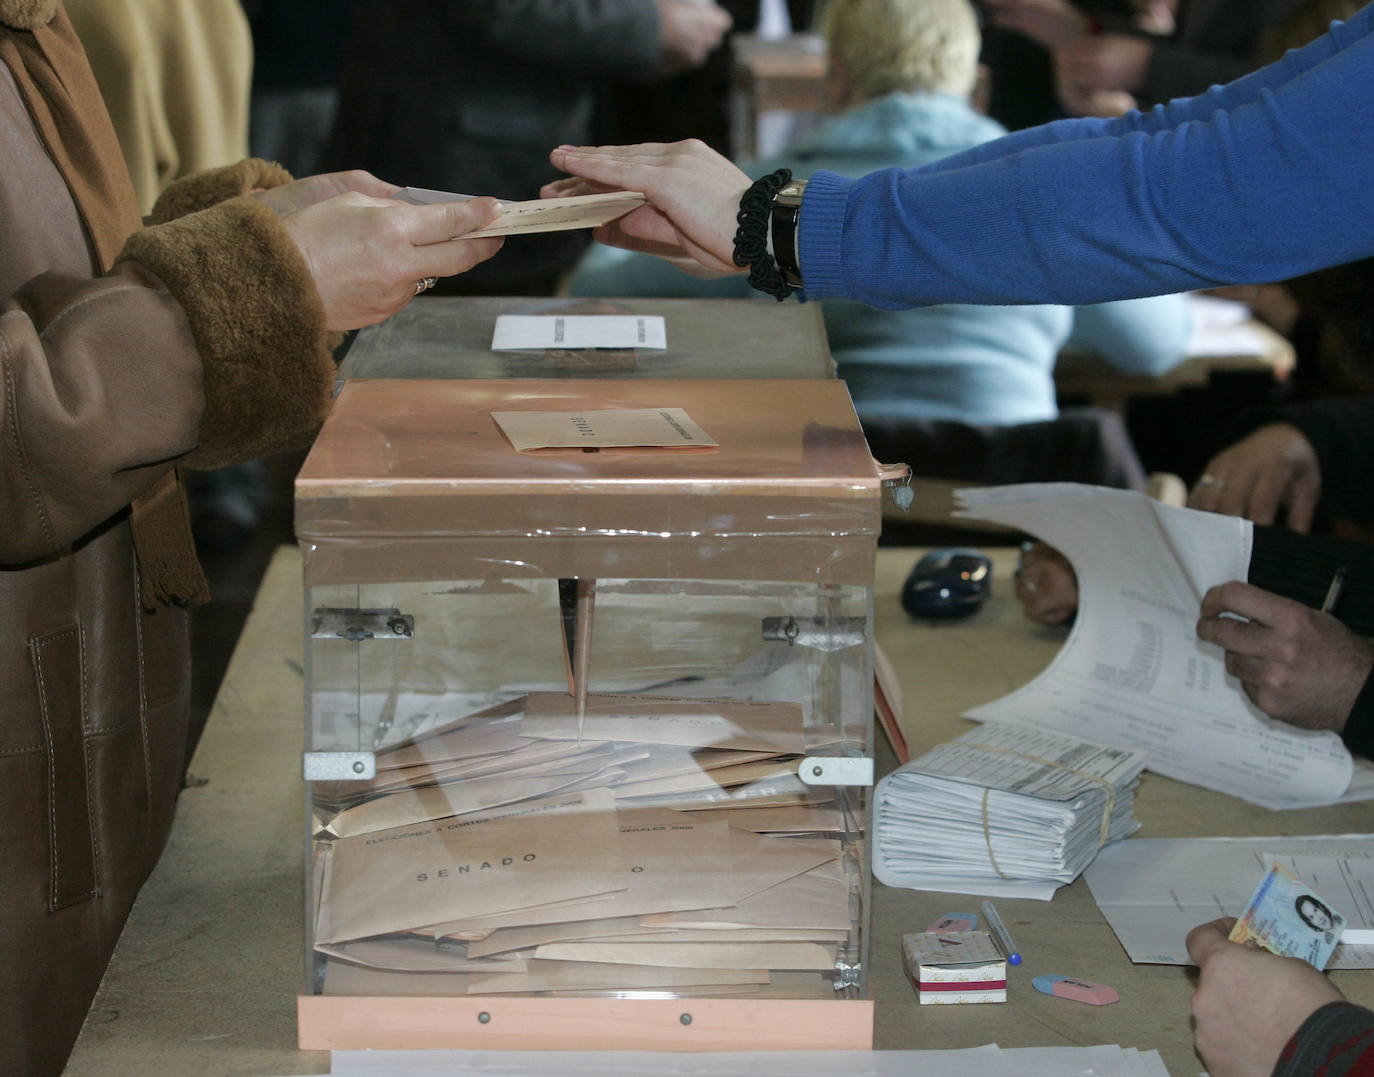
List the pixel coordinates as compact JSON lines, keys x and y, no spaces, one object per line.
{"x":836,"y":770}
{"x":338,"y":766}
{"x":357,"y":625}
{"x":821,"y":634}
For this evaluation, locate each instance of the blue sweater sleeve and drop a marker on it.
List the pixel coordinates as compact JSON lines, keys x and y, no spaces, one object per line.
{"x":1166,"y":116}
{"x":1270,"y":188}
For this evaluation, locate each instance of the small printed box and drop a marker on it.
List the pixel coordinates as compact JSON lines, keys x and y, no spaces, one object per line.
{"x":955,"y":966}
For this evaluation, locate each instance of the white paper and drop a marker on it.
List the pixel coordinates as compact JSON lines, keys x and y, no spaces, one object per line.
{"x":1004,"y":810}
{"x":1133,"y":672}
{"x":1220,"y":329}
{"x":986,"y":1061}
{"x":575,"y":332}
{"x":1154,"y":891}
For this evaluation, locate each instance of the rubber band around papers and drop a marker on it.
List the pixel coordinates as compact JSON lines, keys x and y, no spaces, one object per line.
{"x":1108,"y":807}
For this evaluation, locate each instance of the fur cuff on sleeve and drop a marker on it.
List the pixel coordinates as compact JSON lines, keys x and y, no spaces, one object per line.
{"x":27,"y":14}
{"x":216,"y":185}
{"x":257,"y":321}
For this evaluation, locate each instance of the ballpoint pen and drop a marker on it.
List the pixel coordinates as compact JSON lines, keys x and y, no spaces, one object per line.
{"x":1000,"y":933}
{"x":1333,"y":592}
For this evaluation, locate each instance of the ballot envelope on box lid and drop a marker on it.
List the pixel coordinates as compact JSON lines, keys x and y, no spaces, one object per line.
{"x":561,"y":681}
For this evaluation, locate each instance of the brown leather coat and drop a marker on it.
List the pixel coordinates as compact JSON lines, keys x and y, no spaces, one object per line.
{"x":205,"y":342}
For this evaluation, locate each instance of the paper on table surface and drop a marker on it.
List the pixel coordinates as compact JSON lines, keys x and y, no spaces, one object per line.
{"x":607,"y":428}
{"x":579,"y":332}
{"x":1107,"y":1060}
{"x":1133,"y":672}
{"x":537,"y":214}
{"x":1153,"y":891}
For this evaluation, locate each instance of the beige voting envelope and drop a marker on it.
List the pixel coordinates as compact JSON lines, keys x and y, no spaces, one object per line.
{"x":667,"y":861}
{"x":526,"y":938}
{"x":603,"y":428}
{"x":342,"y":978}
{"x":412,"y":806}
{"x":798,"y":820}
{"x":538,"y":214}
{"x":794,"y":956}
{"x":584,"y":976}
{"x":817,"y":898}
{"x":418,"y":955}
{"x":398,"y":880}
{"x":744,"y":725}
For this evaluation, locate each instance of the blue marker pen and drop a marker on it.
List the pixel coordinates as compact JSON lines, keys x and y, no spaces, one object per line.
{"x":1000,"y":933}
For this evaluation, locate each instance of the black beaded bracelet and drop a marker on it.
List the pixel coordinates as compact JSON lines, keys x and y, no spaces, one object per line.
{"x":751,"y":237}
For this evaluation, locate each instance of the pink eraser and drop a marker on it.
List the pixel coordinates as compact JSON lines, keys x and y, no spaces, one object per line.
{"x":954,"y":921}
{"x":1078,"y":990}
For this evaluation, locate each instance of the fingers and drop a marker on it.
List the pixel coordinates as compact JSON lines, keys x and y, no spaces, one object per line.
{"x":1205,"y":940}
{"x":612,"y":168}
{"x":443,"y":221}
{"x":571,"y":187}
{"x":1302,"y":505}
{"x":1249,"y":601}
{"x":1265,"y":496}
{"x":453,"y":256}
{"x":363,"y":182}
{"x":1206,"y":492}
{"x":1046,"y":586}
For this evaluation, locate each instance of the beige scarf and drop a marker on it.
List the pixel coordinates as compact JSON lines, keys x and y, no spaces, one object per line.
{"x":55,"y":80}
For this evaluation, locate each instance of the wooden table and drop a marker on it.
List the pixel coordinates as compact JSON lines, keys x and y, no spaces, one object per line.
{"x":205,"y":976}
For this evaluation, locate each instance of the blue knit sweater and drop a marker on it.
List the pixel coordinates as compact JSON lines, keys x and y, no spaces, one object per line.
{"x":983,"y":365}
{"x":1263,"y":179}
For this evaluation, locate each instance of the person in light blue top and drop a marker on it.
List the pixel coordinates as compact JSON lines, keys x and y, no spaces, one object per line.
{"x":902,"y":70}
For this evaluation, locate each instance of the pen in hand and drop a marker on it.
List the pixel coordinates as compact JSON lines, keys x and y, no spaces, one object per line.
{"x":1333,"y":593}
{"x":1001,"y":934}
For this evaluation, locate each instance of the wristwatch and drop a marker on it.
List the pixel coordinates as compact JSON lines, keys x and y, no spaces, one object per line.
{"x":784,"y":214}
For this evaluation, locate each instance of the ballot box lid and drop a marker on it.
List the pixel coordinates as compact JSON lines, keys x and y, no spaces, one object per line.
{"x":403,"y":466}
{"x":451,"y":337}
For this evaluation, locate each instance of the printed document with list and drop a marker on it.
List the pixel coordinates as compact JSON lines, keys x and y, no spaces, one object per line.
{"x":1133,"y":672}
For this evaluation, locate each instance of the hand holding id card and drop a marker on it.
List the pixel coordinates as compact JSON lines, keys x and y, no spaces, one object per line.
{"x":1287,"y":918}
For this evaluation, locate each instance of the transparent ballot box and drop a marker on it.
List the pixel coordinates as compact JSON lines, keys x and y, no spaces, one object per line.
{"x":589,"y":729}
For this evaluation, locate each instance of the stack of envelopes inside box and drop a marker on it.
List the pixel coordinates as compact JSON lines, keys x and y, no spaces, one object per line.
{"x":667,"y":844}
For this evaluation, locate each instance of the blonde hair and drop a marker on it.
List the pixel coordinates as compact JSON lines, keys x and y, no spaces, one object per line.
{"x":892,"y":45}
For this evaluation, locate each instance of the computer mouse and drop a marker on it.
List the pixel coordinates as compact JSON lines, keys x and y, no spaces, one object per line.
{"x":951,"y":582}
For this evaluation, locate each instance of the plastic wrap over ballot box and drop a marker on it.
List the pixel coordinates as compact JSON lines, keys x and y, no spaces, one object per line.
{"x":589,"y":729}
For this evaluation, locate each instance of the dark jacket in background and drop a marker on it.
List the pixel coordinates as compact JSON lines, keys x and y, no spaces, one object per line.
{"x":471,"y":95}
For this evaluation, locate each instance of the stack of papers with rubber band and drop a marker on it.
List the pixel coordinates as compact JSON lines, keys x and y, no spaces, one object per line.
{"x":1003,"y":810}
